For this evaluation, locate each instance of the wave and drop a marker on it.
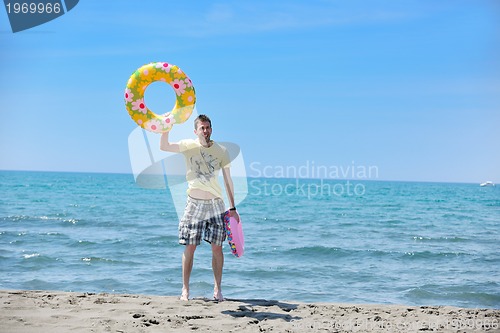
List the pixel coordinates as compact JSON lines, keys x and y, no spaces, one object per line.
{"x":84,"y":243}
{"x":91,"y":260}
{"x":38,"y":261}
{"x":431,"y":254}
{"x":273,"y":271}
{"x":96,"y":259}
{"x":315,"y":253}
{"x":437,"y":295}
{"x":318,"y":252}
{"x":164,"y":239}
{"x":441,"y":239}
{"x":29,"y":218}
{"x":458,"y":217}
{"x":38,"y":284}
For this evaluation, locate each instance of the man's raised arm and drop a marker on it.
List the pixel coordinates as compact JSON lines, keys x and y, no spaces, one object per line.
{"x":168,"y":146}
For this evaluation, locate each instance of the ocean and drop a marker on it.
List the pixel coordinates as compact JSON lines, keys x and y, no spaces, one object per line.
{"x":308,"y":240}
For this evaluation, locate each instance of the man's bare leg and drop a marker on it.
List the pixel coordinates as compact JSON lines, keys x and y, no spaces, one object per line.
{"x":217,"y":265}
{"x":187,"y":267}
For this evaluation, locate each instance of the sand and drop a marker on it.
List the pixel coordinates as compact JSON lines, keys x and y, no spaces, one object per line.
{"x":55,"y":311}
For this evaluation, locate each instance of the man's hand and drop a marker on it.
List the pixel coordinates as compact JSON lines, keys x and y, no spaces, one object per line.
{"x":234,"y":214}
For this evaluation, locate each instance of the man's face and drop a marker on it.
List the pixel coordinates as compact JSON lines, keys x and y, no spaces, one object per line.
{"x":203,"y":131}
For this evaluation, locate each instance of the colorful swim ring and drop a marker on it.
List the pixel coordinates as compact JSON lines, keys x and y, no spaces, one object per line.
{"x":234,"y":231}
{"x":177,"y":79}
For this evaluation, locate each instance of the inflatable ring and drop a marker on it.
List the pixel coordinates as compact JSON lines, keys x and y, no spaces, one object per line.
{"x":234,"y":233}
{"x":141,"y":79}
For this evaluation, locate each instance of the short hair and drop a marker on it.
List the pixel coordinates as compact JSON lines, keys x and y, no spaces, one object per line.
{"x":202,"y":117}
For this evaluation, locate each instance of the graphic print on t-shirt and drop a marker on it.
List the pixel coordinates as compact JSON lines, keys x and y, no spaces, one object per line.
{"x":204,"y":166}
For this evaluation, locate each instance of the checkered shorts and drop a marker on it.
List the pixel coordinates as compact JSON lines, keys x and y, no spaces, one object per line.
{"x":202,"y":217}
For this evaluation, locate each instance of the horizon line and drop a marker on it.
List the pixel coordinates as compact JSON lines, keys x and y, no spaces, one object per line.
{"x":253,"y":177}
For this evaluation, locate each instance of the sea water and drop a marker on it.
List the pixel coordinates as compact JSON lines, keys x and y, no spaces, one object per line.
{"x":306,"y":240}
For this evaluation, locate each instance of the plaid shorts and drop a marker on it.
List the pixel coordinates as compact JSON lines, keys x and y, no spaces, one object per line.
{"x":202,"y":217}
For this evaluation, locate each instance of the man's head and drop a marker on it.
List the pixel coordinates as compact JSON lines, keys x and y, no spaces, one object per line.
{"x":203,"y":128}
{"x":202,"y":118}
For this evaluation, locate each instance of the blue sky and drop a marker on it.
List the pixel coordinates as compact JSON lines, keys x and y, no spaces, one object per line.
{"x":411,"y":87}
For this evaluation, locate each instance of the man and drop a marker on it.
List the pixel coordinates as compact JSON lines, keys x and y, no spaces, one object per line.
{"x":204,"y":212}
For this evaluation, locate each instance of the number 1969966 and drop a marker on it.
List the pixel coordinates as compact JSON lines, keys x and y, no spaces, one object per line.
{"x":32,"y":8}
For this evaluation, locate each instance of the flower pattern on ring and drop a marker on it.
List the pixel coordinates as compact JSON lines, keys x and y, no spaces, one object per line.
{"x":169,"y":119}
{"x":153,"y":125}
{"x":139,"y":118}
{"x":128,"y":95}
{"x":139,"y":105}
{"x":163,"y":66}
{"x":179,"y":86}
{"x":188,"y":97}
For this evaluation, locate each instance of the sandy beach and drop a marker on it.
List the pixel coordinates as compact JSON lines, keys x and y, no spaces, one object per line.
{"x":55,"y":311}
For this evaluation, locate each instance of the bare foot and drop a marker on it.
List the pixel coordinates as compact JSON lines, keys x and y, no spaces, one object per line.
{"x":218,"y":296}
{"x":184,"y":295}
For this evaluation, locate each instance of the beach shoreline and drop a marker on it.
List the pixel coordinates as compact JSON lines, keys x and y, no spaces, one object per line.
{"x":57,"y":311}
